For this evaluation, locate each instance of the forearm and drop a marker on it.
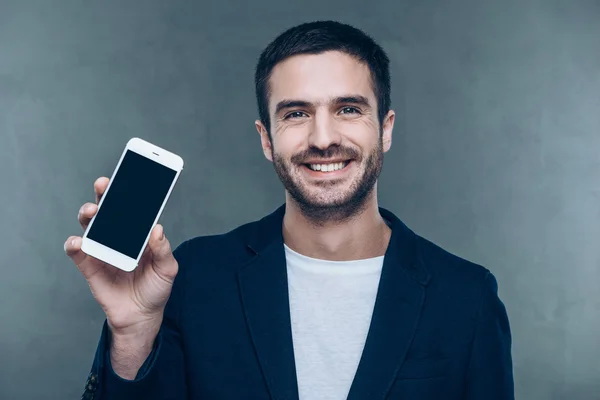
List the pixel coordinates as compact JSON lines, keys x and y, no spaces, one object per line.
{"x":161,"y":375}
{"x":129,"y":351}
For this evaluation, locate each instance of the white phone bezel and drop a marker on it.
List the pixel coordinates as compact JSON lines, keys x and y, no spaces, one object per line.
{"x":156,"y":154}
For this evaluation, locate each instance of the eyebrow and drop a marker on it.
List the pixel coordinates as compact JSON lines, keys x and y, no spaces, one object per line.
{"x":352,"y":99}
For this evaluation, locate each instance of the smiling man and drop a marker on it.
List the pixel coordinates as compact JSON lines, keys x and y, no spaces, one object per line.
{"x":329,"y":297}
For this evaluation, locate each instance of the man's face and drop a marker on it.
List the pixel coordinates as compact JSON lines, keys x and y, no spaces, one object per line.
{"x":326,"y":142}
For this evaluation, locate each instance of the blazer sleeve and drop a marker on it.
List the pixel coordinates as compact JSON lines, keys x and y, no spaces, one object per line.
{"x":162,"y":376}
{"x":490,"y":371}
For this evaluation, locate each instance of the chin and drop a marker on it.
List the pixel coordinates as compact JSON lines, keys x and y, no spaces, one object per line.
{"x":325,"y":199}
{"x":325,"y":205}
{"x":333,"y":210}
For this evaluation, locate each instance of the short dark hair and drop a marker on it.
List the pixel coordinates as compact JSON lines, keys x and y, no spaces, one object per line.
{"x":315,"y":38}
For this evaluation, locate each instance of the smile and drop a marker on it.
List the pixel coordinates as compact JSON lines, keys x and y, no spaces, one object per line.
{"x":330,"y":167}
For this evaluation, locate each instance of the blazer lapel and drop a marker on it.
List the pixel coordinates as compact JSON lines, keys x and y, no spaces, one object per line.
{"x":264,"y":292}
{"x":398,"y":305}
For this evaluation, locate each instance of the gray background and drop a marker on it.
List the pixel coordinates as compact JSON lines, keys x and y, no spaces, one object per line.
{"x":496,"y":155}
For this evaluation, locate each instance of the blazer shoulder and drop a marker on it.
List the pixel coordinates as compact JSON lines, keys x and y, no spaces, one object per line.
{"x":463,"y":274}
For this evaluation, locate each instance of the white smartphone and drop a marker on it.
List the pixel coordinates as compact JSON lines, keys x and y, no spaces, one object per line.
{"x":131,"y":205}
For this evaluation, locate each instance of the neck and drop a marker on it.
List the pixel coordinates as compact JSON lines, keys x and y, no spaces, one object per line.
{"x":363,"y":235}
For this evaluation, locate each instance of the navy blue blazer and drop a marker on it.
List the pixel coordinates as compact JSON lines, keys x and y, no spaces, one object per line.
{"x":438,"y":331}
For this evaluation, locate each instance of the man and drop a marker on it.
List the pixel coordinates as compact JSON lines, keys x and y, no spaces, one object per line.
{"x":328,"y":297}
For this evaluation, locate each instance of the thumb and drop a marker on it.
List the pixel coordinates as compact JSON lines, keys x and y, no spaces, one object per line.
{"x":159,"y":245}
{"x":162,"y":255}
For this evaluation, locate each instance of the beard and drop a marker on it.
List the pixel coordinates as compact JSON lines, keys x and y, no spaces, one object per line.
{"x":332,"y":203}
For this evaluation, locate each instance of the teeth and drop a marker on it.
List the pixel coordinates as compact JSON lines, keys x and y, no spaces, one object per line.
{"x":327,"y":167}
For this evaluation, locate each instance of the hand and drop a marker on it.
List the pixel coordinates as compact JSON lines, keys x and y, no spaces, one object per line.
{"x":132,"y":301}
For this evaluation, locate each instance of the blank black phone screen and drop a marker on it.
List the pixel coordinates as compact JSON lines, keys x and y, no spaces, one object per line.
{"x":131,"y":204}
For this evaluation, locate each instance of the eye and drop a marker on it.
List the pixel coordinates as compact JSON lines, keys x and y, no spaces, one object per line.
{"x":350,"y":110}
{"x":294,"y":115}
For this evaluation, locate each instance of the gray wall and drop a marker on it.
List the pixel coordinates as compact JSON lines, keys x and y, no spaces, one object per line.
{"x":496,"y":155}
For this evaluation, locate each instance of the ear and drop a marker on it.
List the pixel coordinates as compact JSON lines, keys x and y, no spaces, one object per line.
{"x":265,"y":142}
{"x":388,"y":127}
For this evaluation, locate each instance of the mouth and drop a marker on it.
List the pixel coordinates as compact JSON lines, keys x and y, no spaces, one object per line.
{"x":327,"y":166}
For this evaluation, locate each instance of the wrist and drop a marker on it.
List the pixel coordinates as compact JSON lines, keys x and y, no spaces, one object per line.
{"x":134,"y":332}
{"x":130,"y":348}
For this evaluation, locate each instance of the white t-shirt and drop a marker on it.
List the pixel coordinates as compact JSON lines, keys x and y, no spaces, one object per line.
{"x":331,"y":304}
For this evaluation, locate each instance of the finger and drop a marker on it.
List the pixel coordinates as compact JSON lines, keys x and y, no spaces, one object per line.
{"x":72,"y":248}
{"x":100,"y":186}
{"x":99,"y":275}
{"x":86,"y":213}
{"x":162,"y":256}
{"x":87,"y":265}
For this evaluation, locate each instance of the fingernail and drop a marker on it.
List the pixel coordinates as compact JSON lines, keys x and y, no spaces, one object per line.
{"x":162,"y":235}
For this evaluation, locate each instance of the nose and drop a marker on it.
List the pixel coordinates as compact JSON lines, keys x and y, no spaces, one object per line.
{"x":324,"y":133}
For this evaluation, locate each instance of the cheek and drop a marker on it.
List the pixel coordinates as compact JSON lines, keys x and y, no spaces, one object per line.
{"x":363,"y":133}
{"x":282,"y":151}
{"x":289,"y":140}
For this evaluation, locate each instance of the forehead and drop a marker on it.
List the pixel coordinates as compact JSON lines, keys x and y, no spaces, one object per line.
{"x":318,"y":77}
